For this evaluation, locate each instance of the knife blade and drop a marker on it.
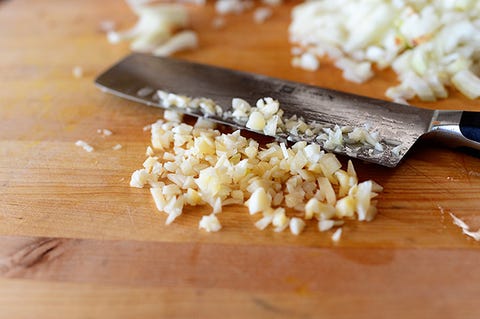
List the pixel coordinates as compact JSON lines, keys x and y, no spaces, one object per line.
{"x":138,"y":76}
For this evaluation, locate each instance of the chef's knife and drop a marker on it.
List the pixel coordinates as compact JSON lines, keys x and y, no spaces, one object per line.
{"x":138,"y":76}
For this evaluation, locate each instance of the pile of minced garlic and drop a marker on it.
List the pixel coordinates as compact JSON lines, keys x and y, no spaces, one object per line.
{"x":284,"y":186}
{"x":268,"y":118}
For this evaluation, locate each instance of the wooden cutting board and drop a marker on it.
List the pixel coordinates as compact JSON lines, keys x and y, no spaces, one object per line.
{"x":78,"y":242}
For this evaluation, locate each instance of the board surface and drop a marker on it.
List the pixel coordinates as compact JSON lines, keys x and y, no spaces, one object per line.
{"x":77,"y":241}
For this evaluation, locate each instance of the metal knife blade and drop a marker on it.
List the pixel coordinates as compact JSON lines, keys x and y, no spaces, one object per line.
{"x":138,"y":76}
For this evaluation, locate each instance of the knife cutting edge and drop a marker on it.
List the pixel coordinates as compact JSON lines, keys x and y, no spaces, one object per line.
{"x":138,"y":76}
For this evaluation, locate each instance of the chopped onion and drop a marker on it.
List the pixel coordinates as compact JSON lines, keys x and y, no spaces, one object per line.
{"x":465,"y":228}
{"x":467,"y":83}
{"x":306,"y":61}
{"x":77,"y":72}
{"x":232,"y":6}
{"x":104,"y":132}
{"x":154,"y":28}
{"x":260,"y":15}
{"x":179,"y":42}
{"x":431,"y":45}
{"x":87,"y":147}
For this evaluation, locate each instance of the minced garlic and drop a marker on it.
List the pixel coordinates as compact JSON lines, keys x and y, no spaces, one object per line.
{"x":210,"y":223}
{"x":337,"y":235}
{"x":268,"y":118}
{"x":199,"y":165}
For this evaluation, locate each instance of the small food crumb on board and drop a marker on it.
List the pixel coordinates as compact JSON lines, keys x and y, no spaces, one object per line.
{"x":84,"y":145}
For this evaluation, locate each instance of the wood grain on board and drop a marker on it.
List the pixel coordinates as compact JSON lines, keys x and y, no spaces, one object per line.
{"x":77,"y":241}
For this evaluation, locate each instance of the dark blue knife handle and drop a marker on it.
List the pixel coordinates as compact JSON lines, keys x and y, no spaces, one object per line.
{"x":470,"y":125}
{"x":457,"y":128}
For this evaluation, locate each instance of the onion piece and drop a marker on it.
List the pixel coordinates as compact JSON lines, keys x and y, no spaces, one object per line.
{"x":467,"y":83}
{"x":179,"y":42}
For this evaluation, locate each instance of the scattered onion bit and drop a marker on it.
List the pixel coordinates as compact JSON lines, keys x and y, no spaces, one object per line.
{"x":155,"y":29}
{"x":261,"y":14}
{"x":77,"y":72}
{"x":232,"y":6}
{"x":104,"y":132}
{"x":87,"y":147}
{"x":465,"y":228}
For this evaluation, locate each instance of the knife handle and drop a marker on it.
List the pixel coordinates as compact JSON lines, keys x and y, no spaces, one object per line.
{"x":457,"y":128}
{"x":470,"y":125}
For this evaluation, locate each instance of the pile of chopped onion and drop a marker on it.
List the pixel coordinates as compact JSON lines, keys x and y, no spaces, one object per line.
{"x":284,"y":186}
{"x":431,"y":45}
